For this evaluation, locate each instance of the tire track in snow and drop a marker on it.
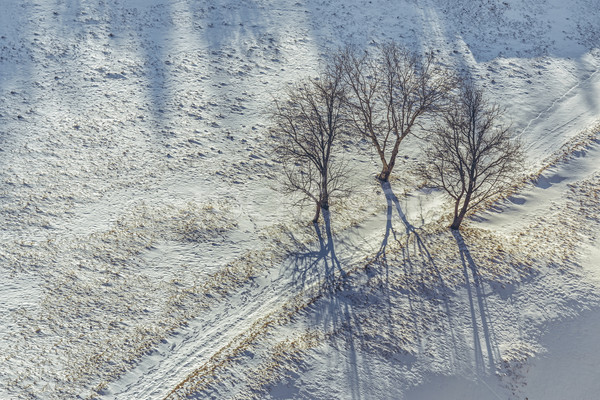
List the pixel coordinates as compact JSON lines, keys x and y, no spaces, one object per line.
{"x":555,"y":102}
{"x":205,"y":336}
{"x":195,"y":344}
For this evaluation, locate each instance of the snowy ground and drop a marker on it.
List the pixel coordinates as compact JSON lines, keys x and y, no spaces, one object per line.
{"x":146,"y":251}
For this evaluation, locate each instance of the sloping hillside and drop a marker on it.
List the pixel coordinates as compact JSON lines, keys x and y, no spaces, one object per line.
{"x":147,"y":251}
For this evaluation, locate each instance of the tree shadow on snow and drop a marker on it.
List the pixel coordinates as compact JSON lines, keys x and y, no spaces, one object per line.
{"x":318,"y":267}
{"x":417,"y":261}
{"x":393,"y":203}
{"x":317,"y":263}
{"x":367,"y":310}
{"x":412,"y":286}
{"x":481,"y":322}
{"x":411,"y":279}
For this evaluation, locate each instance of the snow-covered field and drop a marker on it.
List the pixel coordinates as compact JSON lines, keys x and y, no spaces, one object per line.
{"x":146,"y":250}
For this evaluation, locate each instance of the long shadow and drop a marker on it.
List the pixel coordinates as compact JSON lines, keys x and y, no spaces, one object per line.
{"x":417,"y":264}
{"x":175,"y":36}
{"x":480,"y":297}
{"x":343,"y":304}
{"x":411,"y":236}
{"x":409,"y":229}
{"x":318,"y":264}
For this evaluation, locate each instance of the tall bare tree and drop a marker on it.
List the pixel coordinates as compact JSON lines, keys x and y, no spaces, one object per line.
{"x":308,"y":124}
{"x":390,"y":90}
{"x":471,"y":155}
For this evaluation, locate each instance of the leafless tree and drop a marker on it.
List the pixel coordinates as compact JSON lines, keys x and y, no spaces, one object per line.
{"x":471,"y":155}
{"x":308,"y":124}
{"x":390,"y":90}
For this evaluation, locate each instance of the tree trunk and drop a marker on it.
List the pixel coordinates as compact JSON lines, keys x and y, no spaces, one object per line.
{"x":457,"y":221}
{"x":317,"y":213}
{"x":384,"y":175}
{"x":458,"y":218}
{"x":386,"y":171}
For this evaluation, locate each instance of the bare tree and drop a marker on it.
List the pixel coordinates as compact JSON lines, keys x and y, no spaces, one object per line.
{"x":308,"y":124}
{"x":390,"y":91}
{"x":470,"y":154}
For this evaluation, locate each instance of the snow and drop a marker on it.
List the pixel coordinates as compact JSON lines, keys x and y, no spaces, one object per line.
{"x":147,"y":251}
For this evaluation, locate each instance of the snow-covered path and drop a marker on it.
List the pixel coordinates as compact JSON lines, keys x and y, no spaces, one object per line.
{"x":568,"y":115}
{"x":193,"y":345}
{"x":308,"y":270}
{"x":138,"y":194}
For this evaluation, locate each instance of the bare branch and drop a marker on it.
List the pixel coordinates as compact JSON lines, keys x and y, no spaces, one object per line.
{"x":471,"y":156}
{"x":389,"y":91}
{"x":308,"y":124}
